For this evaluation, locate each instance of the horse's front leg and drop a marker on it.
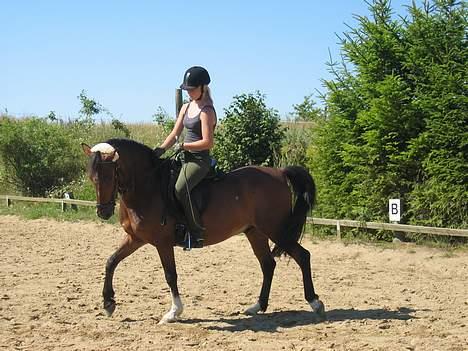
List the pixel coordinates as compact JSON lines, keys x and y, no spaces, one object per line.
{"x":166,"y":254}
{"x":128,"y":246}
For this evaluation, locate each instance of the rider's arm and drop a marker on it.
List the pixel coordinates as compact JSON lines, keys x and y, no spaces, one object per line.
{"x":178,"y":127}
{"x":207,"y":118}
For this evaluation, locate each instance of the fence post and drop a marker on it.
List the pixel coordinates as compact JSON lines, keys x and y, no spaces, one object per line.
{"x":394,"y":213}
{"x":338,"y":230}
{"x":178,"y":101}
{"x":8,"y":202}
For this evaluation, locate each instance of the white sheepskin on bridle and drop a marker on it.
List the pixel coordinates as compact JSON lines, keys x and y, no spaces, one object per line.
{"x":106,"y":150}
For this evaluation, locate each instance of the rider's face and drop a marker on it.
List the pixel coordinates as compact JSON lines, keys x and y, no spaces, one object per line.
{"x":195,"y":94}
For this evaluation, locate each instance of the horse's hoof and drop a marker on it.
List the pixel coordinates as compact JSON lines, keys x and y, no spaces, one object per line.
{"x":109,"y":307}
{"x":319,"y":309}
{"x":253,"y":310}
{"x":167,"y":319}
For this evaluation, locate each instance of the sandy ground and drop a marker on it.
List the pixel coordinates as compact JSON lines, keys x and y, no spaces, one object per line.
{"x":51,"y":275}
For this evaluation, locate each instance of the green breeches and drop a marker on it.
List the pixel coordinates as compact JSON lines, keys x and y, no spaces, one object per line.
{"x":194,"y":170}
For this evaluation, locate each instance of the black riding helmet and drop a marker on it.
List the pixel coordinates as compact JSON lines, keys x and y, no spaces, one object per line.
{"x":194,"y":77}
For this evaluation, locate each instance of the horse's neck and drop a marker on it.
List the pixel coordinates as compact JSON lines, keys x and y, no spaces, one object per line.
{"x":137,"y":185}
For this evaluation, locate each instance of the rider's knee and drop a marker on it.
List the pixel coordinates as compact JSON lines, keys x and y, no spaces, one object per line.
{"x":180,"y":192}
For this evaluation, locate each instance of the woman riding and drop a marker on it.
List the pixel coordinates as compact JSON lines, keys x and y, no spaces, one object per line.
{"x":198,"y":117}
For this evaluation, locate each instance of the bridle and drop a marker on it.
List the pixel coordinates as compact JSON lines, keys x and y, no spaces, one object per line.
{"x":110,"y":205}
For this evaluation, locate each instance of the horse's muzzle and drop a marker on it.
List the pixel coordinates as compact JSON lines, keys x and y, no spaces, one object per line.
{"x":105,"y":211}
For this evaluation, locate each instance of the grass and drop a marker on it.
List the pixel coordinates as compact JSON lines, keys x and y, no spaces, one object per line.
{"x":149,"y":134}
{"x":43,"y":210}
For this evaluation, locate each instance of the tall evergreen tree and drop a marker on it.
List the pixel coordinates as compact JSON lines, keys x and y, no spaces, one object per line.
{"x":437,"y":57}
{"x":397,"y":117}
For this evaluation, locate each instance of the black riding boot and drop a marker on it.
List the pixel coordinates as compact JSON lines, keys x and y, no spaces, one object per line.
{"x":194,"y":236}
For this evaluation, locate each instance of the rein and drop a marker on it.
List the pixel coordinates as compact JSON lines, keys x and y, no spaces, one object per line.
{"x":171,"y":157}
{"x":110,"y":205}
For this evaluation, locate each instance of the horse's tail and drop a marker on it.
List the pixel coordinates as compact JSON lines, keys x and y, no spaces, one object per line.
{"x":303,"y":194}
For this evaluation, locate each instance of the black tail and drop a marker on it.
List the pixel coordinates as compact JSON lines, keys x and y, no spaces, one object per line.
{"x":304,"y":193}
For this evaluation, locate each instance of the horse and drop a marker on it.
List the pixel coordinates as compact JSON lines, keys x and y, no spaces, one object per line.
{"x":263,"y":203}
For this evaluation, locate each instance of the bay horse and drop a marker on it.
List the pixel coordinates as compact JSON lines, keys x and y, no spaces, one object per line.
{"x":264,"y":203}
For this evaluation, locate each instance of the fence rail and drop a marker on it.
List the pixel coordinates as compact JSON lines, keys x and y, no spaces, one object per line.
{"x":387,"y":226}
{"x":62,"y":202}
{"x":338,"y":223}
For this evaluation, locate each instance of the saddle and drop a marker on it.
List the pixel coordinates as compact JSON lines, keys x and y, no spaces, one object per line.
{"x":199,"y":196}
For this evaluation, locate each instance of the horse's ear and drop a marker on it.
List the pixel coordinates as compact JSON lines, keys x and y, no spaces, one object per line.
{"x":86,"y":148}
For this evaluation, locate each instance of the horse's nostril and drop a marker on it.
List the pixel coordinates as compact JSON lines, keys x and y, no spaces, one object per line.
{"x":104,"y":214}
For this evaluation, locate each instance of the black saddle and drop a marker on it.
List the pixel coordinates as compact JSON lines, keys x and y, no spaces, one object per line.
{"x":200,"y":195}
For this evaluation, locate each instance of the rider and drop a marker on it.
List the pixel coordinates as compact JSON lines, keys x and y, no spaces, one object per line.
{"x":198,"y":117}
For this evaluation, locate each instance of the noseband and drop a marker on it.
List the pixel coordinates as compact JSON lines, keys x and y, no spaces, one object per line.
{"x":110,"y":205}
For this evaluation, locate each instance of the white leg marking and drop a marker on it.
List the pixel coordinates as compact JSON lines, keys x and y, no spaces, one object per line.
{"x":176,"y":310}
{"x":318,"y":308}
{"x":253,"y":310}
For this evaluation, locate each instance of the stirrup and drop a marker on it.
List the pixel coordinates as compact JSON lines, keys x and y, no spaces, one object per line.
{"x":192,"y":243}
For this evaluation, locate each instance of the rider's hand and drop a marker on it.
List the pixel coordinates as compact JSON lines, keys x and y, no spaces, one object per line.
{"x":158,"y":152}
{"x":179,"y":147}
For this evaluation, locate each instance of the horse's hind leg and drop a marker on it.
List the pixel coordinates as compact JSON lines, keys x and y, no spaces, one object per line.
{"x":302,"y":257}
{"x":259,"y":243}
{"x":128,"y":246}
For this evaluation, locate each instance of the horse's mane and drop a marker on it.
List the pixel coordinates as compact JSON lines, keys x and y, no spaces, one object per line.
{"x":129,"y":146}
{"x":136,"y":148}
{"x":132,"y":146}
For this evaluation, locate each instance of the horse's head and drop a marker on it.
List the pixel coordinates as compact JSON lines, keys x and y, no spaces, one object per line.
{"x":102,"y":170}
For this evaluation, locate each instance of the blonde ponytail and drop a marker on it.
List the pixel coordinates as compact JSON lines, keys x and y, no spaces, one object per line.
{"x":207,"y":98}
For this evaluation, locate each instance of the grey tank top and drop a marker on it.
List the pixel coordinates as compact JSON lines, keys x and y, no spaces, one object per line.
{"x":193,"y":125}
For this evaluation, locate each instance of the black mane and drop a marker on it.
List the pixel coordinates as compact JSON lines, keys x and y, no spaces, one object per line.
{"x":124,"y":147}
{"x":130,"y":146}
{"x":136,"y":149}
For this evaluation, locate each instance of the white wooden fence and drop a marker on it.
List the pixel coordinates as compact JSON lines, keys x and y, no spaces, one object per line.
{"x":387,"y":226}
{"x":338,"y":223}
{"x":9,"y":198}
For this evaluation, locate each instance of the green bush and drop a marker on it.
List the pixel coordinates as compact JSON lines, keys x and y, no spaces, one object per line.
{"x":81,"y":188}
{"x":306,"y":111}
{"x":249,"y":134}
{"x":120,"y":127}
{"x":163,"y":120}
{"x":299,"y":134}
{"x":37,"y":155}
{"x":294,"y":145}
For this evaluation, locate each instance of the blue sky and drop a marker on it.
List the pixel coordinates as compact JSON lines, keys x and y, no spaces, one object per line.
{"x":131,"y":55}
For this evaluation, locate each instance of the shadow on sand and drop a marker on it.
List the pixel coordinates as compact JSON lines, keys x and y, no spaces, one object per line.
{"x":270,"y":322}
